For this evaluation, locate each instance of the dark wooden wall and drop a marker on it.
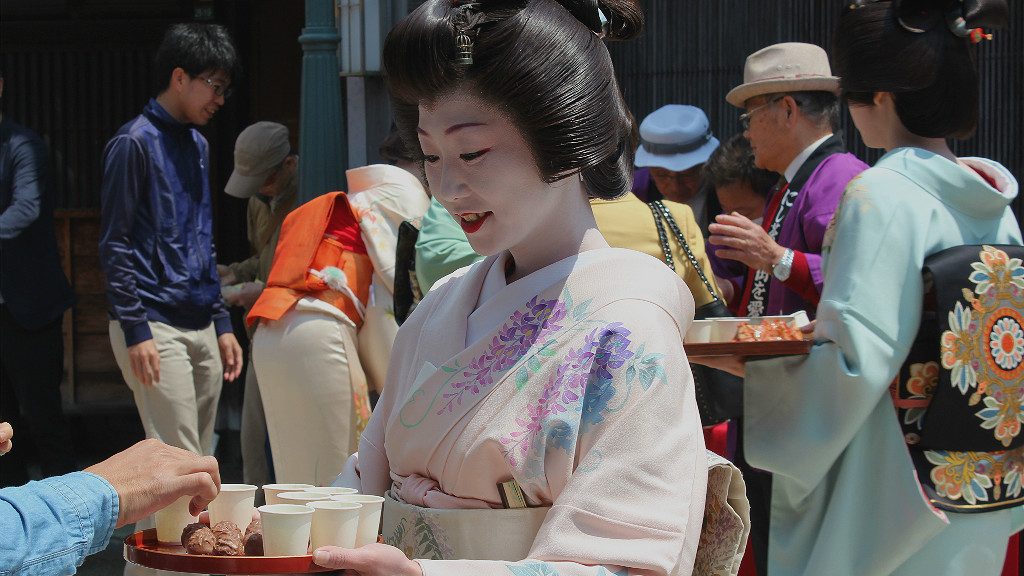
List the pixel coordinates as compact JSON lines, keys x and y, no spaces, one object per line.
{"x":692,"y":52}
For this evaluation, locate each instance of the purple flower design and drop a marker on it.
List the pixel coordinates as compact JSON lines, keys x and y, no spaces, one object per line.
{"x":587,"y":368}
{"x":538,"y":319}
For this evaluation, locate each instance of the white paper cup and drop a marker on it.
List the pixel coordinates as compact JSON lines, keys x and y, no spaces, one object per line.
{"x":334,"y":524}
{"x":270,"y":491}
{"x":171,"y":520}
{"x":301,"y":497}
{"x":369,"y":516}
{"x":234,"y":503}
{"x":286,"y":529}
{"x":699,"y":332}
{"x":331,"y":490}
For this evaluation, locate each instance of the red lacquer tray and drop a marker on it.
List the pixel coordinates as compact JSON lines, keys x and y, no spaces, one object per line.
{"x":771,"y":348}
{"x":142,"y":548}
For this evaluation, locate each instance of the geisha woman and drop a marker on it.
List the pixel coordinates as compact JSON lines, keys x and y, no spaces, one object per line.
{"x":539,"y":415}
{"x":885,"y":461}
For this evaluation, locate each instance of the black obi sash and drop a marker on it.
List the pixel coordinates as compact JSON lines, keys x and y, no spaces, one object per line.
{"x":959,"y":393}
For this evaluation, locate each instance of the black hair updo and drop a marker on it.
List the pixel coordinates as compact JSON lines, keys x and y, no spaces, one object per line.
{"x":542,"y":62}
{"x":910,"y":48}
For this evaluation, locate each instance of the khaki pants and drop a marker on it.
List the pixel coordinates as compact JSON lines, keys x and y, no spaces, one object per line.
{"x":181,"y":408}
{"x":254,"y":433}
{"x":314,"y":394}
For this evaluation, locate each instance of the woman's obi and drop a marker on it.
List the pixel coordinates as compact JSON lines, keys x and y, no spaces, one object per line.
{"x":508,"y":534}
{"x":323,"y":233}
{"x":465,"y":534}
{"x":960,"y":391}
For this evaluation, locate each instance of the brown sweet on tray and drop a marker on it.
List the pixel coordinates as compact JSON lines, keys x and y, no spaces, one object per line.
{"x":229,"y":539}
{"x":768,"y":331}
{"x":253,"y":539}
{"x":198,"y":539}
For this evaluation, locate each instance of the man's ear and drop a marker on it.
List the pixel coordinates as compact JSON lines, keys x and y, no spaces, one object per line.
{"x":789,"y":103}
{"x":178,"y":79}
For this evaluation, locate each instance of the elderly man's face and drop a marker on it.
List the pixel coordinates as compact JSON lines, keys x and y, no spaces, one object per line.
{"x":678,"y":186}
{"x":765,"y":131}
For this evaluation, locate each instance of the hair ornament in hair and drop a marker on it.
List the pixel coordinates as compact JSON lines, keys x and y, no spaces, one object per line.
{"x":462,"y":15}
{"x":968,"y":18}
{"x":920,"y":16}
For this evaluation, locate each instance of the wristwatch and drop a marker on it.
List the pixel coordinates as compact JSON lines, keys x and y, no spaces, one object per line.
{"x":784,"y":266}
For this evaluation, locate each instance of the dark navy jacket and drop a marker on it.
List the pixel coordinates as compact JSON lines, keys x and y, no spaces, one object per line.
{"x":156,"y":242}
{"x":32,"y":283}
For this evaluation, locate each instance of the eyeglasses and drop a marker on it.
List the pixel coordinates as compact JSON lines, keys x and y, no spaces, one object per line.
{"x":219,"y":89}
{"x":745,"y":118}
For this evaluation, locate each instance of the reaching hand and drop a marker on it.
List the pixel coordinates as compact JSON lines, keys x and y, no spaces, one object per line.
{"x":245,"y":295}
{"x":151,"y":475}
{"x":145,"y":361}
{"x":6,"y":433}
{"x":369,"y":560}
{"x":227,"y":277}
{"x":744,"y":241}
{"x":230,"y":356}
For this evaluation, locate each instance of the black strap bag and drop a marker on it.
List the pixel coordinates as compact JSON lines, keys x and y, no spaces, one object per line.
{"x":719,"y":394}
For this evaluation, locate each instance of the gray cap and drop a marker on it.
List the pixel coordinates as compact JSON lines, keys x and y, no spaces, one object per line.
{"x":259,"y":150}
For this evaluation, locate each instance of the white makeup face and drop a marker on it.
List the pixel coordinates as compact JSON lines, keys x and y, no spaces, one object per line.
{"x":483,"y":172}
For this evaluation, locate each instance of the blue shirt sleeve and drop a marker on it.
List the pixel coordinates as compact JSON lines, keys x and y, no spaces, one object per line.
{"x":49,"y":527}
{"x":124,"y":169}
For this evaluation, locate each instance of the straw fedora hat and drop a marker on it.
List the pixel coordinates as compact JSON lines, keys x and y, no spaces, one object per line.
{"x":786,"y":67}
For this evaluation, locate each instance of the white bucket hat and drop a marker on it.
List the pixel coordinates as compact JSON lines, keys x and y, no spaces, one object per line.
{"x":786,"y":67}
{"x":675,"y":137}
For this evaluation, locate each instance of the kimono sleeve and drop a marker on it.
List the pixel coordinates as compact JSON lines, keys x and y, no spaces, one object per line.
{"x":801,"y":412}
{"x":630,"y":495}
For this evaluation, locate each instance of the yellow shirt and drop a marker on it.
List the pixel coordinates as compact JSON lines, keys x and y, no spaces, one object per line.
{"x":628,"y":223}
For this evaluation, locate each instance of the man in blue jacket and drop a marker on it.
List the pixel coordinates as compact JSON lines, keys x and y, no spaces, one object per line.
{"x":169,"y":327}
{"x":33,"y":297}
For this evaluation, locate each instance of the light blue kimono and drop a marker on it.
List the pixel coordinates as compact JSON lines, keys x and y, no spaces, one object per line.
{"x":845,"y":499}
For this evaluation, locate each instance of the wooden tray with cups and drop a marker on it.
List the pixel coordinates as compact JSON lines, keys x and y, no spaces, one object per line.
{"x":297,"y":519}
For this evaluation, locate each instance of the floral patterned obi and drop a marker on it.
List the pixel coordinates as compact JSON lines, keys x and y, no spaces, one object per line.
{"x":959,"y":393}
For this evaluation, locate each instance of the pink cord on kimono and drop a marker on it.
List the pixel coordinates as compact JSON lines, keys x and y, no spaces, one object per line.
{"x":420,"y":491}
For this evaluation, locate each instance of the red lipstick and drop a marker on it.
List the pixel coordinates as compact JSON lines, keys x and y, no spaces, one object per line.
{"x":471,"y":227}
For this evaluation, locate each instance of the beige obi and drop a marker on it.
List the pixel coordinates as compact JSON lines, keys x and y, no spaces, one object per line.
{"x":468,"y":534}
{"x":465,"y":534}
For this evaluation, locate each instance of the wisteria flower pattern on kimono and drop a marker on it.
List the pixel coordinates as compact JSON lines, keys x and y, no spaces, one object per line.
{"x":538,"y":319}
{"x":580,"y":394}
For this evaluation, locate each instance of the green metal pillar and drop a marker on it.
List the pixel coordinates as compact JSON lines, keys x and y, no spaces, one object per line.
{"x":322,"y":153}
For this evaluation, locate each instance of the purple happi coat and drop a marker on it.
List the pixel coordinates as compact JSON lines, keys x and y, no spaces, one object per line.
{"x":820,"y":181}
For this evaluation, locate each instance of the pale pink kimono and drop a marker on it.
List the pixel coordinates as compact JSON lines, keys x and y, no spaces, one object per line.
{"x":573,"y":382}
